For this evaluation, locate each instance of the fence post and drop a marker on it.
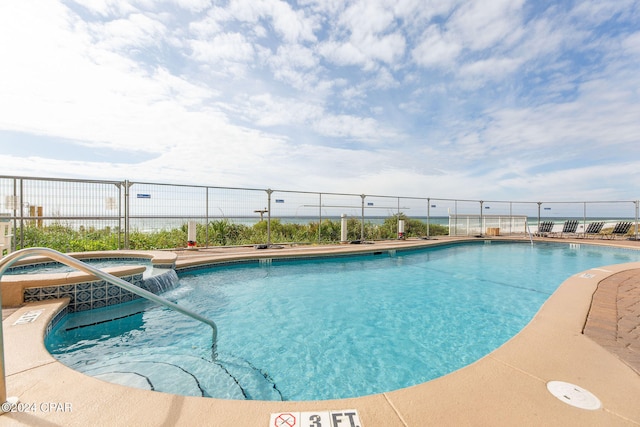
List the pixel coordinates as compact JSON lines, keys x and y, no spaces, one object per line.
{"x":126,"y":184}
{"x":21,"y":213}
{"x":481,"y":218}
{"x":206,"y":224}
{"x":637,"y":207}
{"x":319,"y":218}
{"x":119,"y":186}
{"x":269,"y":191}
{"x":398,"y":221}
{"x":362,"y":196}
{"x":539,"y":204}
{"x":428,"y":218}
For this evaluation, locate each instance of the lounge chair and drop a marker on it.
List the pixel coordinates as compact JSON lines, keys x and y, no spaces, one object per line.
{"x":620,"y":229}
{"x":545,"y":228}
{"x":593,"y":229}
{"x":569,"y":227}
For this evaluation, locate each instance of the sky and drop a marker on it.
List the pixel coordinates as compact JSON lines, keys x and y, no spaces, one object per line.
{"x":495,"y":100}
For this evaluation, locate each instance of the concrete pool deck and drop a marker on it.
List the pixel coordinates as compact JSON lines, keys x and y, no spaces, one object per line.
{"x":506,"y":387}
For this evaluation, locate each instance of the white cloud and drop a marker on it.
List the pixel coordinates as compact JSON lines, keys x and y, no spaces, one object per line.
{"x":107,"y":8}
{"x":448,"y":98}
{"x":365,"y":35}
{"x":291,"y":25}
{"x":489,"y":69}
{"x":354,"y":128}
{"x":136,"y":31}
{"x":223,"y":49}
{"x":436,"y":49}
{"x":481,"y":25}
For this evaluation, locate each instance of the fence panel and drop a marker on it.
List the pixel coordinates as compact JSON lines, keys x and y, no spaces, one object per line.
{"x":154,"y":207}
{"x":236,"y":216}
{"x":294,"y":217}
{"x":333,"y":207}
{"x":609,"y":212}
{"x":77,"y":215}
{"x":73,"y":215}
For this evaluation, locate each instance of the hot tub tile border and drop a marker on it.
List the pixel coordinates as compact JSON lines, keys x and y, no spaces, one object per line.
{"x":97,"y":294}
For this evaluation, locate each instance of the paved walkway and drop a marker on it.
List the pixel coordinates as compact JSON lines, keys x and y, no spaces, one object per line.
{"x":614,"y":317}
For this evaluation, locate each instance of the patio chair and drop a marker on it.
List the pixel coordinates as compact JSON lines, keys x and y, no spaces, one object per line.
{"x":593,"y":229}
{"x":620,"y":229}
{"x":569,"y":227}
{"x":545,"y":228}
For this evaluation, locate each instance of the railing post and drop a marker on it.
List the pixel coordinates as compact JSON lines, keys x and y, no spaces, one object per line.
{"x":269,"y":191}
{"x":21,"y":201}
{"x":539,"y":205}
{"x":362,"y":196}
{"x":637,"y":208}
{"x":398,"y":220}
{"x":428,"y":217}
{"x":126,"y":184}
{"x":206,"y":223}
{"x":320,"y":218}
{"x":481,"y":218}
{"x":584,"y":218}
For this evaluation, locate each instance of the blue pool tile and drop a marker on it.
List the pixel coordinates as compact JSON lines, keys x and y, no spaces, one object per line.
{"x":97,"y":294}
{"x":82,"y":307}
{"x":49,"y":290}
{"x":32,"y":292}
{"x":114,"y":301}
{"x":113,"y":291}
{"x":83,"y":286}
{"x":31,"y":298}
{"x":70,"y":295}
{"x":98,"y":284}
{"x":83,"y":296}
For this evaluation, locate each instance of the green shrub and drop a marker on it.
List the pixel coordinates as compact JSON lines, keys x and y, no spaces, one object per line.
{"x":219,"y":233}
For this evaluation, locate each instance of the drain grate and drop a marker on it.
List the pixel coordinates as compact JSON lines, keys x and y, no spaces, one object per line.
{"x":573,"y":395}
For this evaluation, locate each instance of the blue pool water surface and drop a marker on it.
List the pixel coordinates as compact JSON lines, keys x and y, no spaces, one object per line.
{"x":327,"y":328}
{"x":56,"y":267}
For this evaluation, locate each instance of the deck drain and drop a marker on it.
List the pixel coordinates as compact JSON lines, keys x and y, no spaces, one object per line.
{"x":573,"y":395}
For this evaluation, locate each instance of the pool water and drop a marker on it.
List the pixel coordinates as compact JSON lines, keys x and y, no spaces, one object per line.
{"x":56,"y":267}
{"x":328,"y":328}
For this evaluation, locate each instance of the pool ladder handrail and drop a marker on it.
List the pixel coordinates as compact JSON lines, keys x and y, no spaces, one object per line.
{"x":530,"y":235}
{"x":9,"y":259}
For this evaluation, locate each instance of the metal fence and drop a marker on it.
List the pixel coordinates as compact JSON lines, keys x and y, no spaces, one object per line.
{"x":75,"y":215}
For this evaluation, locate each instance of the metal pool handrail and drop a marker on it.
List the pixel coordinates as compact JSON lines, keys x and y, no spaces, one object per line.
{"x":530,"y":235}
{"x":8,"y":260}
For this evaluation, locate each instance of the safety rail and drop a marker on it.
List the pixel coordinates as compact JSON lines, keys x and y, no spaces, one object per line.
{"x":530,"y":234}
{"x":8,"y":260}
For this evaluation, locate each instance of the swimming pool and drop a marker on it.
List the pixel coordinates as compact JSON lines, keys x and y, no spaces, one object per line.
{"x":331,"y":328}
